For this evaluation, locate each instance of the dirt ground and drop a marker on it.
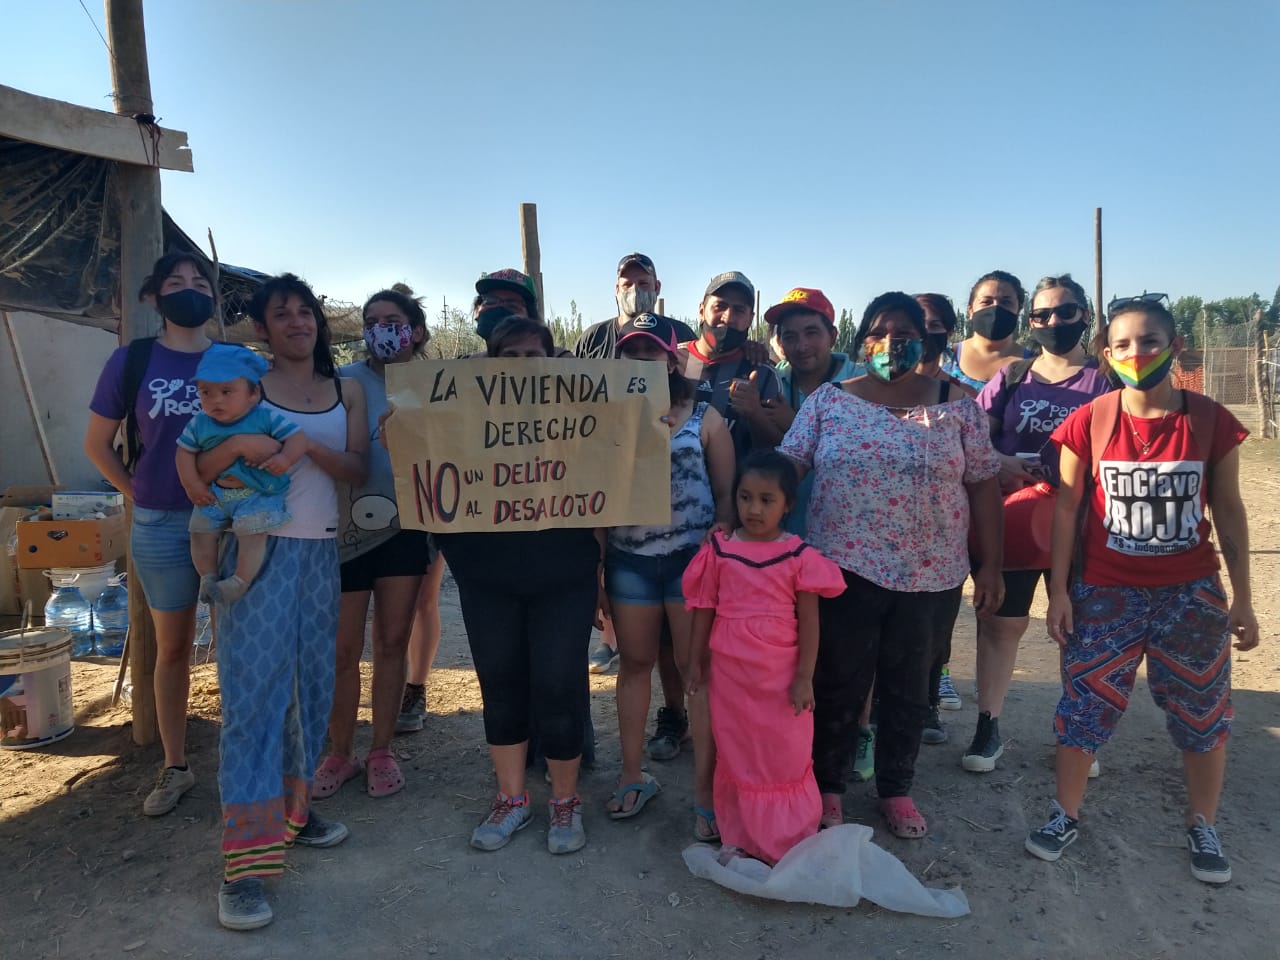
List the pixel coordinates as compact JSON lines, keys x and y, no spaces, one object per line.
{"x":85,"y":874}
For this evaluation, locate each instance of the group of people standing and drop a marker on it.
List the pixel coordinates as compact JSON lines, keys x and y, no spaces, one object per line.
{"x":825,"y":513}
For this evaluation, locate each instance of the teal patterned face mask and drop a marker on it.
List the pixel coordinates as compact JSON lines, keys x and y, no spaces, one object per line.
{"x":890,"y":358}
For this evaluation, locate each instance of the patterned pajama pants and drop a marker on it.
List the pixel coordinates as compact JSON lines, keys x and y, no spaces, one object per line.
{"x":276,"y":650}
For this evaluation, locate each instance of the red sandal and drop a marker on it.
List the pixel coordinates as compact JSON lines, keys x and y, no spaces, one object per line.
{"x":384,"y":774}
{"x":903,"y":818}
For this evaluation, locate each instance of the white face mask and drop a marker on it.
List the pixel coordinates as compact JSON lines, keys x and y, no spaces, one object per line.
{"x":386,"y":340}
{"x":637,"y":300}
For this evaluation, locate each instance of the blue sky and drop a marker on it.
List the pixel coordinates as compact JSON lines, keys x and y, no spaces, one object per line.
{"x":849,"y":145}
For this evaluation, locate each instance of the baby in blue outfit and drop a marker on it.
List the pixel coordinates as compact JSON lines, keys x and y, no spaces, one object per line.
{"x":247,"y":500}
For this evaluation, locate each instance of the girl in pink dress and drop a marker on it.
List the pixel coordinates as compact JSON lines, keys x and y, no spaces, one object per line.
{"x":755,"y":600}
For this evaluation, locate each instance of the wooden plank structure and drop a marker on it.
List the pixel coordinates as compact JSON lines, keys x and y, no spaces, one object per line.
{"x":141,"y":149}
{"x":96,"y":133}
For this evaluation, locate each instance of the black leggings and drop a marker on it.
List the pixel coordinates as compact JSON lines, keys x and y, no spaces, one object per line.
{"x":872,"y":634}
{"x":529,"y":648}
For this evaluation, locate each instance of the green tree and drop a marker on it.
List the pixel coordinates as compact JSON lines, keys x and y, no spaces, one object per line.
{"x":1231,"y":311}
{"x":1186,"y":317}
{"x":845,"y":331}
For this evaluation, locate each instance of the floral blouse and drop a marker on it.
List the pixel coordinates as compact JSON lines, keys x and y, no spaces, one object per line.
{"x":889,"y":502}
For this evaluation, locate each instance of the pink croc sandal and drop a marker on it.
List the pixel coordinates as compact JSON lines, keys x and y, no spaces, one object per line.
{"x":903,"y":818}
{"x":332,"y":773}
{"x":384,"y":773}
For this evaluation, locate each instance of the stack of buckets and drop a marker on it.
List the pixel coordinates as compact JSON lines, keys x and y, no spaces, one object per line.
{"x":35,"y":670}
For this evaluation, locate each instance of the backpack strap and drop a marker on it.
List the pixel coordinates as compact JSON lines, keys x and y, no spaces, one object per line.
{"x":1011,"y":375}
{"x":1202,"y":416}
{"x":136,"y":361}
{"x":1104,"y":417}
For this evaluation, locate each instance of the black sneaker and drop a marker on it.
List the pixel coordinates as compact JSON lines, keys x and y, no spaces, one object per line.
{"x":413,"y":708}
{"x":933,"y":732}
{"x":1049,"y":841}
{"x":670,"y":729}
{"x":1208,"y":864}
{"x":320,"y":832}
{"x":986,"y":748}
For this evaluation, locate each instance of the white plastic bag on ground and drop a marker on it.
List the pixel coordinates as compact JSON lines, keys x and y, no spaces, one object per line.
{"x":836,"y":867}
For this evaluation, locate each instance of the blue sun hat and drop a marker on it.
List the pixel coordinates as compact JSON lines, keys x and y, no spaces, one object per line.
{"x":224,"y":362}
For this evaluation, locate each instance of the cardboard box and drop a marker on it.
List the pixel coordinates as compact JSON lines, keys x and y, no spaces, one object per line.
{"x":82,"y":504}
{"x":43,"y":544}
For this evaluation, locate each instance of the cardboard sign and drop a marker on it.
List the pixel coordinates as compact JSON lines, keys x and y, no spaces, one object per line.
{"x":489,"y":445}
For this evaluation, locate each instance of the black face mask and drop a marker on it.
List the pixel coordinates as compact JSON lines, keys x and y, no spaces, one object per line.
{"x":487,"y":321}
{"x":1060,"y":339}
{"x":936,"y":343}
{"x":723,"y":339}
{"x":186,"y":308}
{"x":994,"y":323}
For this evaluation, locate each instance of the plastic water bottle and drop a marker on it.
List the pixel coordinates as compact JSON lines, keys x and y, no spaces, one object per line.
{"x":67,"y":608}
{"x":111,"y":618}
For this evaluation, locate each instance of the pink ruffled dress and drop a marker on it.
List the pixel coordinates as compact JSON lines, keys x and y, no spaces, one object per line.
{"x":766,"y":799}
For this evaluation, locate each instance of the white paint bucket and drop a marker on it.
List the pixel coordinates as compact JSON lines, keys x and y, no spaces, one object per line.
{"x":35,"y":688}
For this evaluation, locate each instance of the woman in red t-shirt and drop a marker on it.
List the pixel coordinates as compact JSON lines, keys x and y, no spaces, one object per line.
{"x":1149,"y":458}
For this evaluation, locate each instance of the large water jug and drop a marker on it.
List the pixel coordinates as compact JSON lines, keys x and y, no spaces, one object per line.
{"x":68,"y":609}
{"x":111,"y":618}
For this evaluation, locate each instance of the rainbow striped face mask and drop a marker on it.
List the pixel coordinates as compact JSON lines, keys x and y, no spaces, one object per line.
{"x":1143,"y":372}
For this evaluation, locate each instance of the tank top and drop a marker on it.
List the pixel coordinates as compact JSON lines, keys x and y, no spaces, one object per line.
{"x":367,"y":515}
{"x":693,"y":508}
{"x":312,"y":499}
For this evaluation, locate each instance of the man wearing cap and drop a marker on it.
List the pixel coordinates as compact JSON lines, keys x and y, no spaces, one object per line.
{"x":502,"y":294}
{"x":804,"y":327}
{"x":743,"y":392}
{"x":636,"y":292}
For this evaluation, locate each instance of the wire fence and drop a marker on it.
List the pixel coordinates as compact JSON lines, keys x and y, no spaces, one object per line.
{"x":1239,"y":368}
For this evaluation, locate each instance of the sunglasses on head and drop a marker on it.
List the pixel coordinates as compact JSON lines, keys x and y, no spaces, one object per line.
{"x":1066,"y":312}
{"x":1143,"y":297}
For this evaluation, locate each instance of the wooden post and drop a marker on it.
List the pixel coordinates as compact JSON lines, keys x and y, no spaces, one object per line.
{"x":141,"y":244}
{"x":661,"y":307}
{"x":1260,"y":373}
{"x":1269,"y":426}
{"x":532,"y":252}
{"x":1098,"y":306}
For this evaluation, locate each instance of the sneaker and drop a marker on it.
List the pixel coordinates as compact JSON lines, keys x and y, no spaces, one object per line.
{"x":565,"y":835}
{"x":864,"y":755}
{"x":320,"y":832}
{"x":948,"y":699}
{"x":986,"y":748}
{"x":242,"y":905}
{"x":1208,"y":863}
{"x":171,"y":784}
{"x":413,"y":708}
{"x":933,"y":731}
{"x":671,"y":726}
{"x":1049,"y":841}
{"x":506,"y":816}
{"x":603,"y":660}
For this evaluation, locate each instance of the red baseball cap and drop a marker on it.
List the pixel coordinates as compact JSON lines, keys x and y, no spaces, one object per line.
{"x":801,"y":298}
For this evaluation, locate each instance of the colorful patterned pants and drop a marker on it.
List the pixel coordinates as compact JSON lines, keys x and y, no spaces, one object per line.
{"x":276,"y":650}
{"x":1180,"y":629}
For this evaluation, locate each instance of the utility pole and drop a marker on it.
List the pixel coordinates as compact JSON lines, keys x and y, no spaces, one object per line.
{"x":141,"y":244}
{"x":1098,"y":305}
{"x":532,"y":251}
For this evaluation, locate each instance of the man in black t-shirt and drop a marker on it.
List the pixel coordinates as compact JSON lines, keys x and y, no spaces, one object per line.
{"x":636,"y":292}
{"x":741,"y":391}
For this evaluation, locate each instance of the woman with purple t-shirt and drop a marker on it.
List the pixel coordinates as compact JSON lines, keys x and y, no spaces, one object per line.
{"x":182,"y":290}
{"x":1025,"y":402}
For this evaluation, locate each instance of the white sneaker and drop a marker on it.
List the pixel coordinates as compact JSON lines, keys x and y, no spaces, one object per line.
{"x":171,"y":784}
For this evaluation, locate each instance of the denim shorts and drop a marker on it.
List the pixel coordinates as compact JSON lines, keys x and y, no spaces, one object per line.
{"x":645,"y":581}
{"x":161,"y":550}
{"x":240,"y":510}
